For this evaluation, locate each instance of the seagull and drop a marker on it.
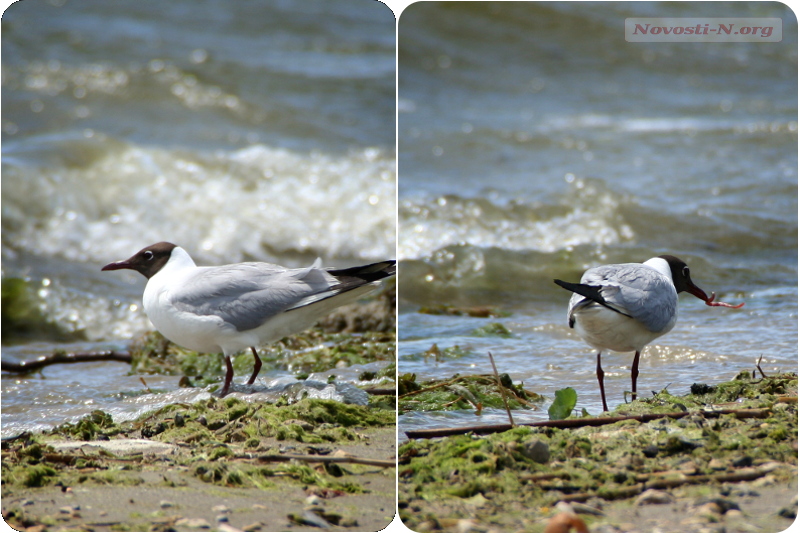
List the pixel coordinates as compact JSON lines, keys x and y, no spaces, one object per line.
{"x":625,"y":307}
{"x":233,"y":307}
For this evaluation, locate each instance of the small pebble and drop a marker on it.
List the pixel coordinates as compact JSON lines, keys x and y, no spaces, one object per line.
{"x":312,"y":519}
{"x":305,"y":426}
{"x":466,"y":525}
{"x":221,"y":509}
{"x":537,"y":451}
{"x":196,"y":523}
{"x":564,"y":522}
{"x":716,"y":464}
{"x":765,"y":481}
{"x":165,"y":504}
{"x":652,"y":496}
{"x":723,"y":504}
{"x":582,"y":508}
{"x":426,"y":526}
{"x":789,"y":511}
{"x":709,"y":508}
{"x":744,"y":492}
{"x":650,"y":451}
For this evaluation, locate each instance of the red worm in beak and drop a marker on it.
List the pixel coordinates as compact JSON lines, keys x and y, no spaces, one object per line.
{"x":712,"y":303}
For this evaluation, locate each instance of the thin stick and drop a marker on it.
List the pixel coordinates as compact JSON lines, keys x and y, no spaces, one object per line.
{"x":582,"y":422}
{"x":62,"y":357}
{"x":426,"y":389}
{"x":381,"y":392}
{"x":145,"y":385}
{"x":758,"y":366}
{"x":502,"y":391}
{"x":321,"y":459}
{"x":745,"y":474}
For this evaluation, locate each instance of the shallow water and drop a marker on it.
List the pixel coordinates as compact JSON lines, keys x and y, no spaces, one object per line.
{"x":534,"y":142}
{"x":241,"y":131}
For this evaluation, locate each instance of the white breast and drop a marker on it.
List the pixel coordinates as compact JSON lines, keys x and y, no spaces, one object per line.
{"x":198,"y":333}
{"x":604,"y":329}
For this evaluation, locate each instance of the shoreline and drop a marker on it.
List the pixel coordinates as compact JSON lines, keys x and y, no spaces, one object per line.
{"x":207,"y":467}
{"x":236,"y":463}
{"x":695,"y":473}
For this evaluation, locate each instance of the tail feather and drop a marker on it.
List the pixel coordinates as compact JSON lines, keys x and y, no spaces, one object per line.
{"x":590,"y":292}
{"x":349,"y":279}
{"x":366,"y":273}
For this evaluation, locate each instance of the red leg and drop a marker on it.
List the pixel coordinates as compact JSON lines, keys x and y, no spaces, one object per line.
{"x":228,"y":377}
{"x":600,"y":375}
{"x":256,"y":367}
{"x":634,"y":375}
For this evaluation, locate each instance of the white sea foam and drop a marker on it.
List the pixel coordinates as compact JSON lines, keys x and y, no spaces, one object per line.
{"x":590,"y":217}
{"x":73,"y":203}
{"x":99,"y":199}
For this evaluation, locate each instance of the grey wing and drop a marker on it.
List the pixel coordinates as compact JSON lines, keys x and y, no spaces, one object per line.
{"x":637,"y":290}
{"x":246,"y":295}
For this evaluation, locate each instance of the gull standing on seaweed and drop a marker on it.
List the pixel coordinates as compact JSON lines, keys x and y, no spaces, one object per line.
{"x":233,"y":307}
{"x":625,"y":307}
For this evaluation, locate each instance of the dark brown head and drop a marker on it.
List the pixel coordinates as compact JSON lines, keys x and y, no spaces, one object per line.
{"x":147,"y":261}
{"x":681,"y":279}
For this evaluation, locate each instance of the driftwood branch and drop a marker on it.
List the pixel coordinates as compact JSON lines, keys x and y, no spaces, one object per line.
{"x":62,"y":357}
{"x":426,"y":389}
{"x":581,"y":422}
{"x":381,"y":392}
{"x":324,"y":459}
{"x":744,"y":474}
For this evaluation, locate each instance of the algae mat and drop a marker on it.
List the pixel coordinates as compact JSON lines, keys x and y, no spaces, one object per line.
{"x":702,"y":472}
{"x":207,"y":470}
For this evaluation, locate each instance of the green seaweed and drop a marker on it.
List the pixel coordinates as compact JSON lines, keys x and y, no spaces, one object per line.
{"x":301,"y":354}
{"x":493,"y":329}
{"x":462,"y":392}
{"x":440,"y":477}
{"x":23,"y":318}
{"x":475,"y":311}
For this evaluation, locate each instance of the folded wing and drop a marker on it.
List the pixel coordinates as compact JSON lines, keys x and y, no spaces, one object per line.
{"x":632,"y":289}
{"x":246,"y":295}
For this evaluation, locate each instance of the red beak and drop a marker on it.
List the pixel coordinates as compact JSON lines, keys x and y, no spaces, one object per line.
{"x":119,"y":265}
{"x":697,"y":291}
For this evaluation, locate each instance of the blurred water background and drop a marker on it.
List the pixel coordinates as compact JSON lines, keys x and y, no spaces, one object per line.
{"x":247,"y":130}
{"x":535,"y":142}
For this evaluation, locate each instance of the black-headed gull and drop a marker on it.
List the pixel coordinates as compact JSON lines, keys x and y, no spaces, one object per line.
{"x":234,"y":307}
{"x":625,"y":307}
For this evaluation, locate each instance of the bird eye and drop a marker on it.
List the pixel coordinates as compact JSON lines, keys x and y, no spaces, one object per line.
{"x":148,"y":255}
{"x":686,"y":272}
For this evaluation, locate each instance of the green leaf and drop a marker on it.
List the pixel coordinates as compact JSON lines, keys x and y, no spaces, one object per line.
{"x":564,"y":404}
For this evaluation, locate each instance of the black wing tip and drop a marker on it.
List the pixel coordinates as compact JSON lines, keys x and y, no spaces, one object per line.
{"x":368,"y":273}
{"x":589,"y":292}
{"x":563,"y":284}
{"x":579,"y":288}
